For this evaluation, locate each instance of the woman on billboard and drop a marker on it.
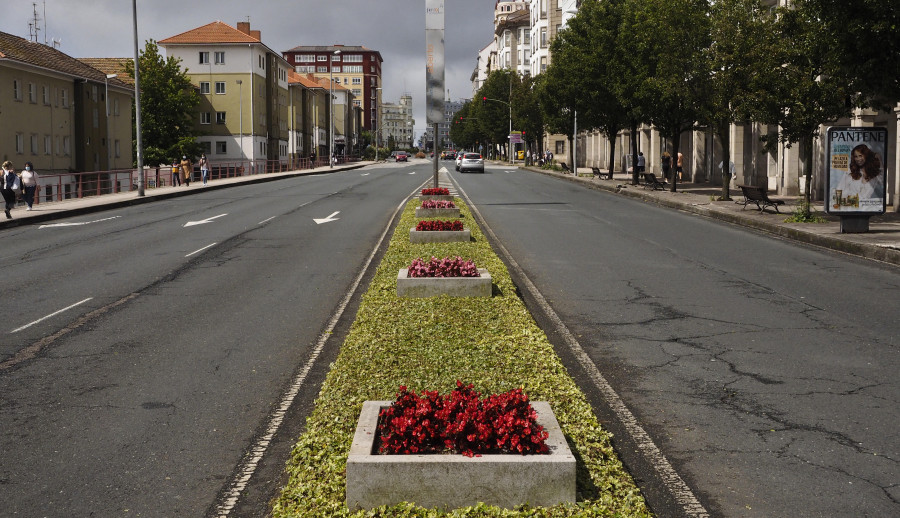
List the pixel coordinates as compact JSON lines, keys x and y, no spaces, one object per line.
{"x":864,"y":179}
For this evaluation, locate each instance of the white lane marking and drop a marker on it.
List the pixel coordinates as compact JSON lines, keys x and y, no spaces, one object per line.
{"x":328,"y":219}
{"x":413,"y":172}
{"x":202,"y":221}
{"x":251,"y":460}
{"x":267,"y":220}
{"x":26,"y":326}
{"x":365,"y":174}
{"x":674,"y":483}
{"x":202,"y":249}
{"x":51,"y":225}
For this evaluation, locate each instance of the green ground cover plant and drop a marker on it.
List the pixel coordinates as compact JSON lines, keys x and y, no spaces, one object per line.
{"x":428,"y":344}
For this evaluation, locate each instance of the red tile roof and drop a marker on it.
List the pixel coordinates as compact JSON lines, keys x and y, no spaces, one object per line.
{"x":14,"y":48}
{"x":215,"y":32}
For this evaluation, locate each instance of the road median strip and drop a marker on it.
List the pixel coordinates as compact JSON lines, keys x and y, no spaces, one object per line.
{"x":427,"y":344}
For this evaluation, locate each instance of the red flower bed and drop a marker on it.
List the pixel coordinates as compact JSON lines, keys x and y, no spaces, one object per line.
{"x":439,"y":191}
{"x":446,"y":267}
{"x":460,"y":422}
{"x":437,"y":225}
{"x":438,"y":204}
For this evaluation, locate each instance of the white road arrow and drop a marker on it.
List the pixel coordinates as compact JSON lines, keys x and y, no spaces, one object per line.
{"x":76,"y":224}
{"x":202,"y":221}
{"x":365,"y":174}
{"x":328,"y":219}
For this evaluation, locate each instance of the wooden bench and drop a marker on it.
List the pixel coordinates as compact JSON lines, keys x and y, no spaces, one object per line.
{"x":758,"y":196}
{"x":650,"y":180}
{"x":600,"y":174}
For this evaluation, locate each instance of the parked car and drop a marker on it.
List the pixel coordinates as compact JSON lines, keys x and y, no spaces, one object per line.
{"x":459,"y":157}
{"x":472,"y":162}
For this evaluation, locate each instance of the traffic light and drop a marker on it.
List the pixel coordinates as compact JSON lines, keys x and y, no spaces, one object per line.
{"x":483,"y":101}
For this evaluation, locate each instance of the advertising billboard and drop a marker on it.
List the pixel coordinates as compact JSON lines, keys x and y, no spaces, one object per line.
{"x":855,"y":171}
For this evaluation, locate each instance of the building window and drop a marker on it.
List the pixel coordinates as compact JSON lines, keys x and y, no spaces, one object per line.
{"x":357,"y":80}
{"x":335,"y":57}
{"x":34,"y":143}
{"x":204,"y":87}
{"x":304,"y":58}
{"x":353,"y":69}
{"x":204,"y":58}
{"x":95,"y":93}
{"x":543,"y":37}
{"x":220,"y":117}
{"x":543,"y":64}
{"x":305,"y":69}
{"x":221,"y":147}
{"x":96,"y":117}
{"x":17,"y":90}
{"x":322,"y":58}
{"x":65,"y":97}
{"x":118,"y":150}
{"x":220,"y":58}
{"x":335,"y":70}
{"x":20,"y":143}
{"x":353,"y":58}
{"x":322,"y":70}
{"x":45,"y":94}
{"x":48,"y":145}
{"x":372,"y":69}
{"x":67,"y":146}
{"x":220,"y":87}
{"x":206,"y":147}
{"x":116,"y":106}
{"x":205,"y":118}
{"x":357,"y":92}
{"x":32,"y":93}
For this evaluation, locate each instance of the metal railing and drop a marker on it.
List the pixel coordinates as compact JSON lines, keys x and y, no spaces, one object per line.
{"x":76,"y":185}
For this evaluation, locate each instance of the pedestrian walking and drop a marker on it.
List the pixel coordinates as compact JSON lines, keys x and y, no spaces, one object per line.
{"x":176,"y":173}
{"x":679,"y":165}
{"x":9,"y":186}
{"x":187,"y":169}
{"x":666,"y":165}
{"x":30,"y":184}
{"x":204,"y":168}
{"x":641,"y":162}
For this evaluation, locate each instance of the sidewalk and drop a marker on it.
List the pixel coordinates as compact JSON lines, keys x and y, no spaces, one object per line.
{"x":48,"y":211}
{"x":881,"y":243}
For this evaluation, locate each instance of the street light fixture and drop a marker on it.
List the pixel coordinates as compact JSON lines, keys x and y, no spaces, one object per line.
{"x":108,"y":140}
{"x":241,"y":116}
{"x":331,"y":110}
{"x":139,"y":147}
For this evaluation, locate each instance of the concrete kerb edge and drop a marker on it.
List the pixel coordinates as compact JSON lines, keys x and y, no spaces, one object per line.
{"x":78,"y":211}
{"x":864,"y":250}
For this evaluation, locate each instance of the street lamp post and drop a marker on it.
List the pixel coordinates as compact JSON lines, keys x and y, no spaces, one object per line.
{"x":241,"y":117}
{"x":108,"y":140}
{"x":331,"y":110}
{"x":139,"y":149}
{"x":377,"y":128}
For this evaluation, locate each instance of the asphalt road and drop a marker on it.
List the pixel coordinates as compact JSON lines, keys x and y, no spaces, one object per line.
{"x":142,"y":350}
{"x":765,"y":371}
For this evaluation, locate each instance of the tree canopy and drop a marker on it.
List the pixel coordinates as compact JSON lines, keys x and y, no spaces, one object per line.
{"x":168,"y":107}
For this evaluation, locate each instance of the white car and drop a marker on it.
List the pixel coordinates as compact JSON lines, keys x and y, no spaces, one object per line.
{"x":471,"y":162}
{"x":459,"y":157}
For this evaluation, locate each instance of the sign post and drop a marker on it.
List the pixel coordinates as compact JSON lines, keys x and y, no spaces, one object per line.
{"x":855,"y":175}
{"x":434,"y":72}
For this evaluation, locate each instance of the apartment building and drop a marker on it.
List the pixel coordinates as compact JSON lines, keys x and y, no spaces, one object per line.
{"x":353,"y":67}
{"x":512,"y":37}
{"x":308,"y":114}
{"x":398,"y":123}
{"x":243,"y":84}
{"x":546,"y":21}
{"x":55,"y":112}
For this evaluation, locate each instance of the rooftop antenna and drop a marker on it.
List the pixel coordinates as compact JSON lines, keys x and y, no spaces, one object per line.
{"x":34,"y":26}
{"x":45,"y":22}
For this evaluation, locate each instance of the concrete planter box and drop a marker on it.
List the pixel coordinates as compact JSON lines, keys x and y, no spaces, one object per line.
{"x":419,"y":287}
{"x":436,"y":197}
{"x":453,"y":481}
{"x":439,"y":236}
{"x":437,"y":213}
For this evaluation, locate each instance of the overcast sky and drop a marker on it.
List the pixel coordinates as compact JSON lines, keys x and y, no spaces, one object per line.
{"x":395,"y":28}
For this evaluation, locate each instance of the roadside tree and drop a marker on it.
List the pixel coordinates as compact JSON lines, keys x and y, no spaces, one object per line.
{"x":168,"y":107}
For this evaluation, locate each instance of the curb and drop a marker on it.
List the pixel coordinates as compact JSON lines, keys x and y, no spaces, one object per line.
{"x":864,"y":250}
{"x":99,"y":207}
